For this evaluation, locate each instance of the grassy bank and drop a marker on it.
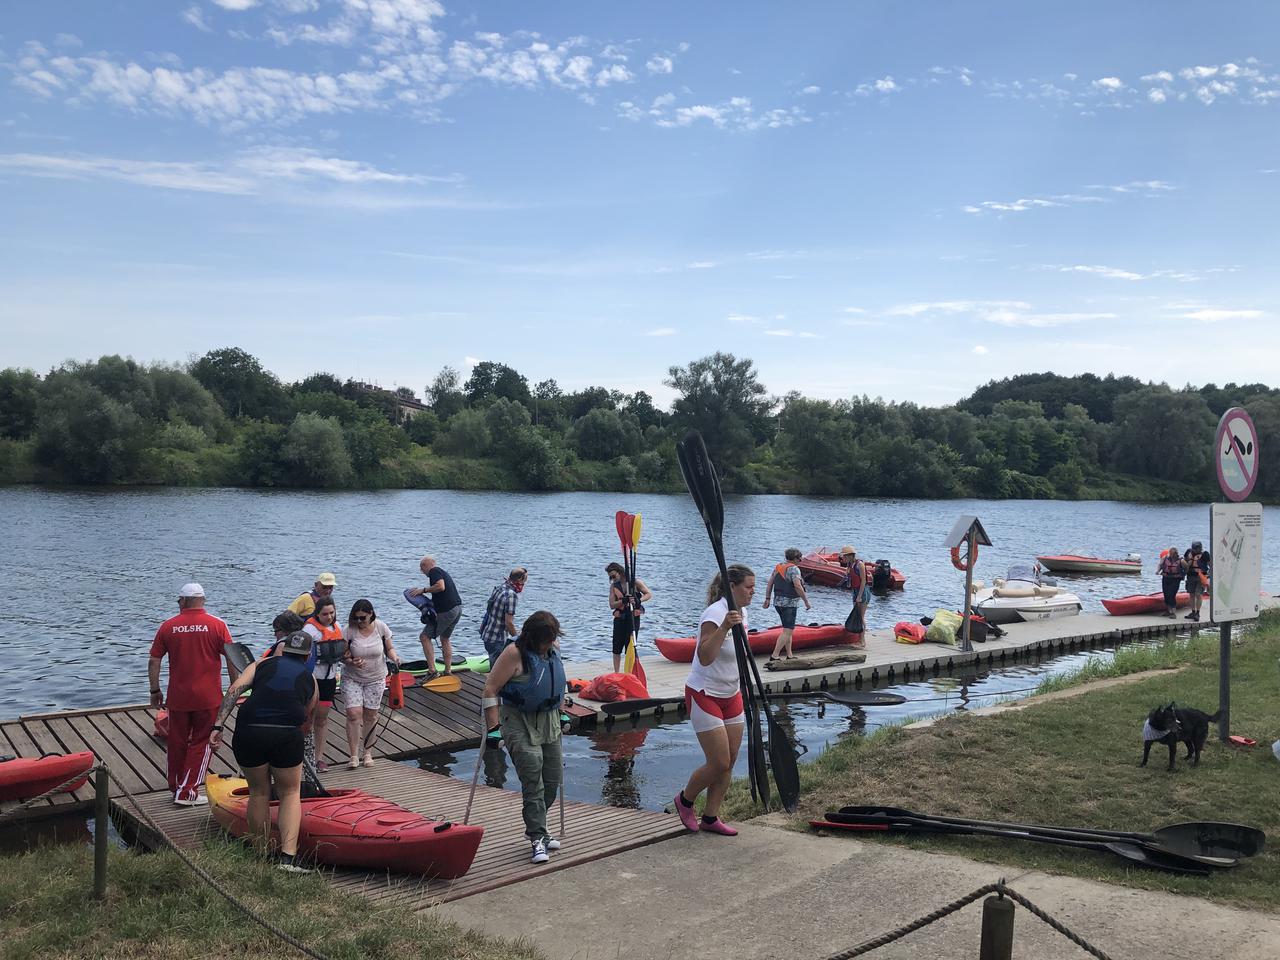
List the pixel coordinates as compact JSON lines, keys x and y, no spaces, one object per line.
{"x":1075,"y":762}
{"x":157,"y":909}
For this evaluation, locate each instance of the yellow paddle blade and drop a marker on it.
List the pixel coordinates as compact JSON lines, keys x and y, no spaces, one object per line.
{"x":629,"y":661}
{"x":635,"y":530}
{"x":445,"y":684}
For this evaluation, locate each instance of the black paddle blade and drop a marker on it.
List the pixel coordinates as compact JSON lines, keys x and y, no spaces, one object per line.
{"x":756,"y":769}
{"x":783,"y":763}
{"x":700,"y":477}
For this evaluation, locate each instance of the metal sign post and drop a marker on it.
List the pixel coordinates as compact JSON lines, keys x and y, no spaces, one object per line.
{"x":1235,"y":543}
{"x":968,"y":533}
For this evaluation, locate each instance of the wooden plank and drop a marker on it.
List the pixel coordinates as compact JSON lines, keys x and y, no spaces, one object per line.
{"x":106,"y":750}
{"x":46,"y":742}
{"x":73,"y":743}
{"x":149,"y":756}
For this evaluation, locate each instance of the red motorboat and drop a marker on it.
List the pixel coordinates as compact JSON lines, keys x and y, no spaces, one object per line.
{"x":1141,"y":603}
{"x":350,"y":828}
{"x":22,"y":778}
{"x":823,"y":568}
{"x":680,"y":649}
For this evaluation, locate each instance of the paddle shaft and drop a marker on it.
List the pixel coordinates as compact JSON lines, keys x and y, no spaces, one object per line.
{"x":475,"y":774}
{"x":1156,"y":857}
{"x":1237,"y":838}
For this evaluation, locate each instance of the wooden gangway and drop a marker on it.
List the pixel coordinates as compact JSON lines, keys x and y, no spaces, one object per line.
{"x":592,"y":831}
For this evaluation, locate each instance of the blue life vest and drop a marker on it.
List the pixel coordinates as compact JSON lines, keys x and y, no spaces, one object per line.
{"x":540,"y":687}
{"x":278,"y":697}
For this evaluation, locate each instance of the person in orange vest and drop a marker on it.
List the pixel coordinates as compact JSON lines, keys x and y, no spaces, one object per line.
{"x":858,"y":581}
{"x":788,"y":585}
{"x":328,"y":649}
{"x":1197,"y":562}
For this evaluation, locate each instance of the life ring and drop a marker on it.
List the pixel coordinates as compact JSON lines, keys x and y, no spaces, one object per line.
{"x":965,"y":565}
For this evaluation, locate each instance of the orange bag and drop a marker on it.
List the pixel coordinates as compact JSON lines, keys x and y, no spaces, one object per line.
{"x":909,"y":632}
{"x":610,"y":687}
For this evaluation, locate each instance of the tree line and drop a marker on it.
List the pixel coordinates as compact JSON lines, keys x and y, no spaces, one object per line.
{"x":224,"y":419}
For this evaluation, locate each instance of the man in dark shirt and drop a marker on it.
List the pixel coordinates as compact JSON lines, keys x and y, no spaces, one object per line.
{"x":448,"y":606}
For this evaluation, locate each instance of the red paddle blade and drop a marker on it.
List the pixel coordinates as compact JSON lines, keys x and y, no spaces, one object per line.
{"x":622,"y":522}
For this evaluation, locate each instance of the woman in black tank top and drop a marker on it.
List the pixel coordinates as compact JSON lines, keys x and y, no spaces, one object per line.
{"x":268,"y":739}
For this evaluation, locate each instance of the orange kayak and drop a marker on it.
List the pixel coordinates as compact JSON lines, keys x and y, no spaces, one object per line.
{"x":22,"y":778}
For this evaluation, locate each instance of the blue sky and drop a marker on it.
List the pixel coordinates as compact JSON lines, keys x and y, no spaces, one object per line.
{"x":901,"y":200}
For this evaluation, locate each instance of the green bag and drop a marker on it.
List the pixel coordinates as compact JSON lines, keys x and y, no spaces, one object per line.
{"x":944,"y":627}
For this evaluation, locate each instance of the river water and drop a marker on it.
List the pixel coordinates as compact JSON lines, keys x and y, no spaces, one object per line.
{"x":90,"y":573}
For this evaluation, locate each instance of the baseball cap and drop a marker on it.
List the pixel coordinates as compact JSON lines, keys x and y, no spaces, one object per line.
{"x":846,"y":550}
{"x":327,"y":579}
{"x":1197,"y":545}
{"x":298,"y":643}
{"x":191,"y":590}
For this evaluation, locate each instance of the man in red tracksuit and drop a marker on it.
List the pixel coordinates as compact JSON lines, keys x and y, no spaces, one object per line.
{"x":195,"y":642}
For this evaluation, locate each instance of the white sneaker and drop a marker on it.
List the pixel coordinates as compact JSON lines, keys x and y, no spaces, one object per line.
{"x":540,"y":852}
{"x":551,"y":843}
{"x":196,"y":801}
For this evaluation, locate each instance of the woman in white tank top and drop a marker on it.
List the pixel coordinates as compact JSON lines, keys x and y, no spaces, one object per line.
{"x":713,"y":698}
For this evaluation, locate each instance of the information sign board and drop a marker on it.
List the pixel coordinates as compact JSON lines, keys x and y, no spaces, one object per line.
{"x":1235,"y":550}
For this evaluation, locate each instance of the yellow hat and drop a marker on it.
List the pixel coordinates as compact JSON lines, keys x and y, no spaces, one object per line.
{"x":327,"y":579}
{"x":847,"y":550}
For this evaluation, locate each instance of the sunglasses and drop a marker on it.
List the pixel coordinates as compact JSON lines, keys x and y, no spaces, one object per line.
{"x":362,"y":618}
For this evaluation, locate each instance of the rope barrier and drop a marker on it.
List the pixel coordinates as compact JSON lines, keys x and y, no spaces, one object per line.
{"x":83,"y":774}
{"x":1001,"y":888}
{"x":218,"y":888}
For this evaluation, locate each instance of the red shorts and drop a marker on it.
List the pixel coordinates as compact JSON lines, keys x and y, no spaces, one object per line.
{"x":707,"y":712}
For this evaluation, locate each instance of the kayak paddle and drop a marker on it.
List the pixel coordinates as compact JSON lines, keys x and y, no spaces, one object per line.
{"x":1212,"y":839}
{"x":1154,"y":857}
{"x":852,"y":698}
{"x":445,"y":683}
{"x":704,"y":486}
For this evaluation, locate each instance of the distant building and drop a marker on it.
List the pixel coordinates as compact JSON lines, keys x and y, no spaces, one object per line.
{"x":408,"y":406}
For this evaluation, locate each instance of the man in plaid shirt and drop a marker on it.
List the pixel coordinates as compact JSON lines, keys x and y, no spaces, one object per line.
{"x":499,"y":622}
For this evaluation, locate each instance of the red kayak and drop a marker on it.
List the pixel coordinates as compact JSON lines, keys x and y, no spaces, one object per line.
{"x":23,"y":778}
{"x":1141,"y":603}
{"x":350,"y":828}
{"x":680,"y":650}
{"x":824,"y":569}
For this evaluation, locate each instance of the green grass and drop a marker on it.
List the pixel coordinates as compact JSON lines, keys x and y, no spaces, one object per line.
{"x":157,"y":909}
{"x":1074,"y":762}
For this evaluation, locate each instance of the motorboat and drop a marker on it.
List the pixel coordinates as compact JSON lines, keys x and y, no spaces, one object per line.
{"x":1023,"y":595}
{"x":1080,"y":563}
{"x":823,"y":568}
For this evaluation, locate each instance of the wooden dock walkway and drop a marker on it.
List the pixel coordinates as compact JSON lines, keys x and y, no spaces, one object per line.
{"x":592,"y":832}
{"x":889,"y":662}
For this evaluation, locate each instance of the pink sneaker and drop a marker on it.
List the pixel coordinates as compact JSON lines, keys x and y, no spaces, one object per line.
{"x":687,"y":816}
{"x":719,"y":826}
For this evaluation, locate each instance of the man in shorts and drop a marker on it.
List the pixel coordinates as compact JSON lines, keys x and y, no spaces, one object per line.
{"x":448,"y":607}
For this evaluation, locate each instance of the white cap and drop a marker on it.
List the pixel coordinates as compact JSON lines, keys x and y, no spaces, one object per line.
{"x":191,"y":590}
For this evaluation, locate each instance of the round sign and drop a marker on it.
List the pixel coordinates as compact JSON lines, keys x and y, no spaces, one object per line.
{"x":1236,"y":454}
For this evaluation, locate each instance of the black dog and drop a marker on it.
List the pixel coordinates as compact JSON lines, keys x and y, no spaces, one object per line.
{"x":1171,"y":724}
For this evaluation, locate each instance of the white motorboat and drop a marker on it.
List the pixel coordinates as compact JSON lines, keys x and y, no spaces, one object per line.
{"x":1022,"y":594}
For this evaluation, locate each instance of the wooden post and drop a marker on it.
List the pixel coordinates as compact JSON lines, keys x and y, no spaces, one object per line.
{"x":1224,"y":681}
{"x":965,"y":644}
{"x":101,"y":831}
{"x":997,"y":929}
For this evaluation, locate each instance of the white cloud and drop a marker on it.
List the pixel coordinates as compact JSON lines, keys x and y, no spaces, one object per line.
{"x":980,"y":351}
{"x":1160,"y":76}
{"x":662,"y":332}
{"x":1006,"y":313}
{"x":67,"y":40}
{"x":701,"y":265}
{"x":470,"y":361}
{"x":883,"y":85}
{"x":1109,"y":84}
{"x":195,"y":16}
{"x":811,"y":90}
{"x":616,"y":73}
{"x":236,"y":4}
{"x":1219,"y":314}
{"x":1157,"y":96}
{"x":857,"y":310}
{"x":784,"y":332}
{"x":286,"y":173}
{"x":660,"y":65}
{"x":1111,"y":273}
{"x":742,"y":318}
{"x":736,"y":113}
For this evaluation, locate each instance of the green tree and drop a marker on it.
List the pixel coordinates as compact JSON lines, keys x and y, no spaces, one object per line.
{"x":815,"y":438}
{"x":578,"y":404}
{"x":465,"y":435}
{"x":444,"y":395}
{"x":315,"y":453}
{"x":536,"y":461}
{"x":603,"y":435}
{"x":259,"y":450}
{"x":180,"y":396}
{"x":19,"y":399}
{"x":241,"y":385}
{"x":1164,"y":434}
{"x":321,"y":383}
{"x":492,"y":381}
{"x":423,"y":427}
{"x":722,"y":397}
{"x":86,"y":435}
{"x":507,"y":421}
